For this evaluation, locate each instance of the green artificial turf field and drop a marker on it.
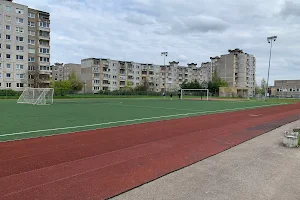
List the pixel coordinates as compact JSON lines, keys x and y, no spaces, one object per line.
{"x":20,"y":121}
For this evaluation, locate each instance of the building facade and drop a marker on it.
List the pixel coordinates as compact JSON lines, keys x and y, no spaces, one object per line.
{"x":62,"y":71}
{"x":237,"y":68}
{"x":25,"y":46}
{"x":286,"y":89}
{"x":105,"y":74}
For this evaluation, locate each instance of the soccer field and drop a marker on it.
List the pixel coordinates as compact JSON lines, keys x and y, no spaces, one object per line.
{"x":19,"y":121}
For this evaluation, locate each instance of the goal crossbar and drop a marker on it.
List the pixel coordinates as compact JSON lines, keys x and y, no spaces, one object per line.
{"x":185,"y":90}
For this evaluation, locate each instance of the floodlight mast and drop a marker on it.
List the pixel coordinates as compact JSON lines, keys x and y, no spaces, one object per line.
{"x":270,"y":41}
{"x":165,"y":54}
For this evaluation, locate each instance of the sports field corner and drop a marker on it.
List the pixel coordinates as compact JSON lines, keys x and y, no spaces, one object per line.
{"x":120,"y":144}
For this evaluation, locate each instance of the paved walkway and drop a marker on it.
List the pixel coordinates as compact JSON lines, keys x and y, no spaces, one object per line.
{"x":258,"y":169}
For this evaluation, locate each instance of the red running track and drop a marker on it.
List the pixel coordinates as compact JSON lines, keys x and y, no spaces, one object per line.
{"x":106,"y":162}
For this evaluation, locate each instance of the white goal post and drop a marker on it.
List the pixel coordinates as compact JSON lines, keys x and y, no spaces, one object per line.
{"x":195,"y":94}
{"x":37,"y":96}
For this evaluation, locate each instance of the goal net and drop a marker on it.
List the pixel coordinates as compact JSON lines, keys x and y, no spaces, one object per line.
{"x":195,"y":94}
{"x":37,"y":96}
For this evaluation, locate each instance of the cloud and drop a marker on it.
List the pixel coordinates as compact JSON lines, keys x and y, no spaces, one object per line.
{"x":191,"y":31}
{"x":290,"y":8}
{"x":139,"y":19}
{"x":199,"y":23}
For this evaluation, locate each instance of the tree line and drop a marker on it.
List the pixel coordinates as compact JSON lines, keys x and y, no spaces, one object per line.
{"x":63,"y":87}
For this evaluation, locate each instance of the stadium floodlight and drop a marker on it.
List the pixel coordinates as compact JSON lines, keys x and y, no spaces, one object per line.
{"x":165,"y":54}
{"x":37,"y":96}
{"x":194,"y":94}
{"x":270,"y":41}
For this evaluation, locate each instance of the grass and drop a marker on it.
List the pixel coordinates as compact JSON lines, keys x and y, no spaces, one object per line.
{"x":70,"y":115}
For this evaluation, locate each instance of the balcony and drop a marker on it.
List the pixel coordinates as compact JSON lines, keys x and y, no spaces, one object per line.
{"x":122,"y":66}
{"x":45,"y":80}
{"x":123,"y":77}
{"x":47,"y":72}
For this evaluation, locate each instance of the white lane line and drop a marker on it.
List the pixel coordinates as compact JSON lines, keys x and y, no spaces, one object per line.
{"x":137,"y":120}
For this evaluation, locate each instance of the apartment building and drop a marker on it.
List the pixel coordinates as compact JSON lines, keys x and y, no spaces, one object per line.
{"x":237,"y":68}
{"x":24,"y":47}
{"x":206,"y":72}
{"x":61,"y":71}
{"x":286,"y":88}
{"x":105,"y":74}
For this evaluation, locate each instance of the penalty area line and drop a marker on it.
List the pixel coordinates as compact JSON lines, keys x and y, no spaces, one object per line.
{"x":139,"y":120}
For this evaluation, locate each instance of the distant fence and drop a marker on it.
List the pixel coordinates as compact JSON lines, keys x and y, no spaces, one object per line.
{"x":11,"y":94}
{"x":8,"y":94}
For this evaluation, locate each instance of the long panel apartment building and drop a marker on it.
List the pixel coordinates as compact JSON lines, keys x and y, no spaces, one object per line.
{"x":25,"y":46}
{"x":105,"y":74}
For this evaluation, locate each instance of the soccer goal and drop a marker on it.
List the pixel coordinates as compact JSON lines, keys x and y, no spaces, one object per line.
{"x":195,"y":94}
{"x":37,"y":96}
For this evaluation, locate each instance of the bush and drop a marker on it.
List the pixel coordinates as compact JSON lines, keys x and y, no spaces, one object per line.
{"x":9,"y":93}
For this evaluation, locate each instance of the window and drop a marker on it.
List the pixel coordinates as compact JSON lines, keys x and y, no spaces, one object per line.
{"x":31,"y":24}
{"x":8,"y":75}
{"x":8,"y":18}
{"x":31,"y":59}
{"x":8,"y":8}
{"x":44,"y":24}
{"x":32,"y":33}
{"x":46,"y":68}
{"x":43,"y":59}
{"x":20,"y":85}
{"x":31,"y":41}
{"x":8,"y":27}
{"x":0,"y":65}
{"x":0,"y":76}
{"x":8,"y":66}
{"x":20,"y":48}
{"x":31,"y":15}
{"x":44,"y":50}
{"x":20,"y":20}
{"x":20,"y":76}
{"x":8,"y":56}
{"x":8,"y":46}
{"x":18,"y":66}
{"x":19,"y":11}
{"x":19,"y":57}
{"x":31,"y":50}
{"x":8,"y":85}
{"x":20,"y":39}
{"x":19,"y":30}
{"x":31,"y":68}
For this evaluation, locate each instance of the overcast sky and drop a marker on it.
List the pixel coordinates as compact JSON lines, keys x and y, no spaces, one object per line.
{"x":190,"y":30}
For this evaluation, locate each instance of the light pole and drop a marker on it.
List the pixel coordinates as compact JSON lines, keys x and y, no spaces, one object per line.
{"x":270,"y":41}
{"x":165,"y":54}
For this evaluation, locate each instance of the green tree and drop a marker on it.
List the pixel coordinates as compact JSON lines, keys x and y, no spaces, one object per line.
{"x":263,"y":86}
{"x":75,"y":82}
{"x":191,"y":85}
{"x":216,"y":83}
{"x":144,"y":86}
{"x":62,"y":87}
{"x":128,"y":86}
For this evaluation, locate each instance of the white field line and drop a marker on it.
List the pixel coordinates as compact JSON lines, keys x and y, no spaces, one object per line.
{"x":120,"y":104}
{"x":137,"y":120}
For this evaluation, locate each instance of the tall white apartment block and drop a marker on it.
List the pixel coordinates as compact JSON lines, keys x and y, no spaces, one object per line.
{"x":21,"y":35}
{"x":105,"y":74}
{"x":237,"y":68}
